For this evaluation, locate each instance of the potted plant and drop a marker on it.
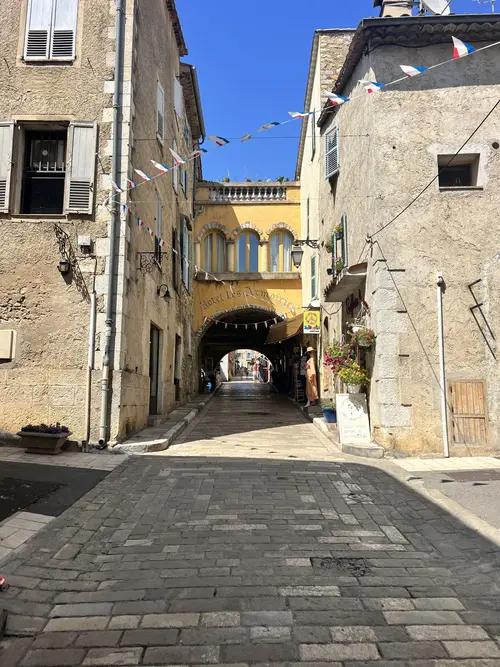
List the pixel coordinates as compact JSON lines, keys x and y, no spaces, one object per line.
{"x":329,"y":410}
{"x":364,"y":337}
{"x":339,"y":265}
{"x":353,"y":376}
{"x":339,"y":232}
{"x":43,"y":438}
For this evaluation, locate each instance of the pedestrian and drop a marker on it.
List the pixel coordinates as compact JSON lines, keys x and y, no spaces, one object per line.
{"x":311,"y":378}
{"x":255,"y":369}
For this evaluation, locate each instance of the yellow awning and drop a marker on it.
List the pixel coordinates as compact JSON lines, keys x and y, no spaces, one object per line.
{"x":285,"y":330}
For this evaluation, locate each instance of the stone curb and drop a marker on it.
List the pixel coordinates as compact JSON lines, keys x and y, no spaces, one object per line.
{"x":167,"y":438}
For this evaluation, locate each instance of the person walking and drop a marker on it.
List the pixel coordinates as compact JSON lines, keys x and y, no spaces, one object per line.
{"x":311,"y":378}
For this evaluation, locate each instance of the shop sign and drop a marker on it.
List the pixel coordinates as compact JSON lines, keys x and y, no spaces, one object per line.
{"x":312,"y":322}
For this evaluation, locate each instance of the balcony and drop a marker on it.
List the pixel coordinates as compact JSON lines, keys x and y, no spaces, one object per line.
{"x":247,"y":193}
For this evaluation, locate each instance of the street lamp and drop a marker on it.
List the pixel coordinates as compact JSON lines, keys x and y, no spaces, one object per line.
{"x":298,"y":253}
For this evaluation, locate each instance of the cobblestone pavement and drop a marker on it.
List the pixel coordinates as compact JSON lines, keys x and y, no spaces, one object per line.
{"x":194,"y":560}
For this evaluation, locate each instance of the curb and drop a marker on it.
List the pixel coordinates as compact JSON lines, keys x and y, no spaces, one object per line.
{"x":160,"y":444}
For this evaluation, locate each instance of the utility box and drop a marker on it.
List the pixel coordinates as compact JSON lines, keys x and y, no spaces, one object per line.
{"x":7,"y":344}
{"x":394,"y":8}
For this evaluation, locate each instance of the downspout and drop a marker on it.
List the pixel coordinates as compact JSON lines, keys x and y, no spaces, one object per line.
{"x":90,"y":356}
{"x":114,"y":228}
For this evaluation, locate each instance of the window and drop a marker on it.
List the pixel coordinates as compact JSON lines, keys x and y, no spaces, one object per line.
{"x":458,"y":171}
{"x":308,"y":218}
{"x":183,"y":176}
{"x":345,"y":253}
{"x":214,"y":253}
{"x":175,"y":276}
{"x":247,"y":257}
{"x":281,"y":251}
{"x":56,"y":167}
{"x":158,"y":228}
{"x":314,"y":278}
{"x":178,"y":367}
{"x":175,"y":171}
{"x":185,"y":253}
{"x":178,"y":98}
{"x":313,"y":133}
{"x":160,"y":112}
{"x":332,"y":164}
{"x":50,"y":30}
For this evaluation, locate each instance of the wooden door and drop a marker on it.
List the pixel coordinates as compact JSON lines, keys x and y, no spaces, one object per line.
{"x":468,"y":412}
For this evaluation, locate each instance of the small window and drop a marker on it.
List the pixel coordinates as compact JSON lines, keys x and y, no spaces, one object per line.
{"x":159,"y":228}
{"x":44,"y":172}
{"x":183,"y":177}
{"x":313,"y":133}
{"x":332,"y":164}
{"x":178,"y":98}
{"x":50,"y":30}
{"x":281,"y":251}
{"x":175,"y":265}
{"x":160,"y":112}
{"x":185,"y":253}
{"x":175,"y":171}
{"x":314,"y":278}
{"x":458,"y":171}
{"x":214,"y":253}
{"x":247,"y":258}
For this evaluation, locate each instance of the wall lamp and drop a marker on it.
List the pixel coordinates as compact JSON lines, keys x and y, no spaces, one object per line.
{"x":163,"y":292}
{"x":64,"y":266}
{"x":298,"y":253}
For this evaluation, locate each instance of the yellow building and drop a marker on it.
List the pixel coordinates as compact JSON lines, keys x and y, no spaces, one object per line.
{"x":245,"y":281}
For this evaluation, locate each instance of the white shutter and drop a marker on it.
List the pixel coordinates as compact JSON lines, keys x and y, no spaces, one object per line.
{"x":6,"y":138}
{"x":80,"y":167}
{"x":160,"y":111}
{"x":175,"y":171}
{"x":38,"y":25}
{"x":62,"y":44}
{"x":332,"y":164}
{"x":178,"y":98}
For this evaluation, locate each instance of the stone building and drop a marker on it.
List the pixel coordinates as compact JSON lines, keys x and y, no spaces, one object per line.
{"x":246,"y":284}
{"x":95,"y":309}
{"x":376,"y":154}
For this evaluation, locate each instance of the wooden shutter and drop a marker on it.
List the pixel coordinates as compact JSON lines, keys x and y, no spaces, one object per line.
{"x":6,"y":139}
{"x":38,"y":29}
{"x":345,"y":247}
{"x":175,"y":171}
{"x":178,"y":98}
{"x":62,"y":43}
{"x":160,"y":111}
{"x":80,"y":167}
{"x":332,"y":164}
{"x":468,"y":412}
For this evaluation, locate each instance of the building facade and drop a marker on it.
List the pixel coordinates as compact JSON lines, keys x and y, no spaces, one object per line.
{"x":96,"y":273}
{"x":380,"y":261}
{"x":245,"y":281}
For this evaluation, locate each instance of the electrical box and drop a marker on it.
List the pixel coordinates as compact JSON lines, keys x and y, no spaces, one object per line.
{"x":7,"y":344}
{"x":85,"y":244}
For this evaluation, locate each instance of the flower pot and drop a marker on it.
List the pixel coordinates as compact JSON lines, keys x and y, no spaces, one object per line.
{"x":43,"y":443}
{"x":353,"y":388}
{"x":330,"y":415}
{"x":339,"y":235}
{"x":364,"y":343}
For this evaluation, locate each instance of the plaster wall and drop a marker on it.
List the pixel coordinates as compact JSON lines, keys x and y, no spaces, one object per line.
{"x":407,"y":126}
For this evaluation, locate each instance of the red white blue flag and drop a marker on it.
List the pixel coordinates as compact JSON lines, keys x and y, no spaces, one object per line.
{"x":160,"y":166}
{"x":300,"y":114}
{"x":461,"y":49}
{"x":218,"y":141}
{"x":335,"y":100}
{"x":268,"y":126}
{"x":142,"y":174}
{"x":410,"y":70}
{"x":177,"y":158}
{"x":372,"y":86}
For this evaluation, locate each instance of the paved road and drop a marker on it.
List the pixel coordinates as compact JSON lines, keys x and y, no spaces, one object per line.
{"x":200,"y":558}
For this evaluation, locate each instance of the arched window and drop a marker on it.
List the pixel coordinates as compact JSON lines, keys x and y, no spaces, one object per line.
{"x":281,"y":251}
{"x":214,"y":253}
{"x":247,"y":252}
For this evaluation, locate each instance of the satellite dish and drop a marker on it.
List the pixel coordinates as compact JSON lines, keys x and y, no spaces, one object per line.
{"x":439,"y":7}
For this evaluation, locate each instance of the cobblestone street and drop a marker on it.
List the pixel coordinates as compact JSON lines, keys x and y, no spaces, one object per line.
{"x":252,"y":542}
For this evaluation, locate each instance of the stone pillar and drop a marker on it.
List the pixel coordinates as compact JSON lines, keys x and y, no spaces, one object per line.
{"x":263,"y":256}
{"x":197,"y":254}
{"x":230,"y":249}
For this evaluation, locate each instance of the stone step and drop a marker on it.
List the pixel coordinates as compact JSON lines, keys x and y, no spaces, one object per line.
{"x":369,"y":451}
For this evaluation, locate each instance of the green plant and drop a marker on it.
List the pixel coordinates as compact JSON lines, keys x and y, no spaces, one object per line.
{"x":364,"y":337}
{"x":53,"y":429}
{"x":327,"y":402}
{"x":338,"y":229}
{"x":352,"y":373}
{"x":339,"y":265}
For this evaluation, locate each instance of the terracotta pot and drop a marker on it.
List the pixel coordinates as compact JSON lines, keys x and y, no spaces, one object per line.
{"x":43,"y":443}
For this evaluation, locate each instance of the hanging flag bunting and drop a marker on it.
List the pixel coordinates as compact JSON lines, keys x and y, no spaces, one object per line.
{"x":140,"y":223}
{"x":336,"y":100}
{"x":219,"y":141}
{"x":246,"y":137}
{"x":461,"y":49}
{"x":410,"y":70}
{"x":161,"y":167}
{"x":124,"y":210}
{"x":177,"y":158}
{"x":300,"y":114}
{"x":372,"y":86}
{"x":117,"y":188}
{"x":198,"y":152}
{"x":131,"y":183}
{"x":150,"y":231}
{"x":268,"y":126}
{"x":142,"y":174}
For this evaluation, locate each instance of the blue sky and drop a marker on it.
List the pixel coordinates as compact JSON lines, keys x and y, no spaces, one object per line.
{"x":252,"y":60}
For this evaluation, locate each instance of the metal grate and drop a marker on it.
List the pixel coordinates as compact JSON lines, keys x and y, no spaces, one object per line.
{"x":3,"y":192}
{"x":62,"y":44}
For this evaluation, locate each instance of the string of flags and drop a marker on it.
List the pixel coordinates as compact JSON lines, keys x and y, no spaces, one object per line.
{"x":249,"y":325}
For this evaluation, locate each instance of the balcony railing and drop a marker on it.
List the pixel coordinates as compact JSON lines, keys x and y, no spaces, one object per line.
{"x":245,"y":193}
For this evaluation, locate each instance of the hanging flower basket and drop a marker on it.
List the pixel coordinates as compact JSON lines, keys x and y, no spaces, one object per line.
{"x":363,"y":337}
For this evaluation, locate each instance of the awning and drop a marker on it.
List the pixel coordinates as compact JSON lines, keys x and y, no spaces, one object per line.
{"x":285,"y":330}
{"x":346,"y":283}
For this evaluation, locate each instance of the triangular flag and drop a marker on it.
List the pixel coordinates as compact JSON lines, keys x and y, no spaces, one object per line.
{"x":117,"y":188}
{"x":142,"y":174}
{"x":246,"y":137}
{"x":219,"y":141}
{"x":160,"y":166}
{"x":461,"y":49}
{"x":300,"y":114}
{"x":410,"y":70}
{"x":268,"y":126}
{"x":131,"y":183}
{"x":335,"y":100}
{"x":177,"y":158}
{"x":372,"y":86}
{"x":198,"y":152}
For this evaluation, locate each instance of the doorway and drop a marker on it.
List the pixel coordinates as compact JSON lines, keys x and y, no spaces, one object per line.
{"x":154,"y":366}
{"x":468,"y":412}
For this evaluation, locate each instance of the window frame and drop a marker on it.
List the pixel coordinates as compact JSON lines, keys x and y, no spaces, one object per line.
{"x":160,"y":112}
{"x":248,"y":235}
{"x":332,"y":148}
{"x":158,"y":229}
{"x":51,"y":29}
{"x":284,"y":264}
{"x":448,"y":162}
{"x":216,"y":263}
{"x":314,"y":277}
{"x":313,"y":134}
{"x":185,"y":253}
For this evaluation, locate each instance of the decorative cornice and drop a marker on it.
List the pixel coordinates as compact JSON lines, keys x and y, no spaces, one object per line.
{"x":281,"y":226}
{"x":246,"y":226}
{"x":212,"y":227}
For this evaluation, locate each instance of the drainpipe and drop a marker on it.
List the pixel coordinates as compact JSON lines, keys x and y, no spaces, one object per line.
{"x":90,"y":356}
{"x":441,"y":287}
{"x":114,"y":228}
